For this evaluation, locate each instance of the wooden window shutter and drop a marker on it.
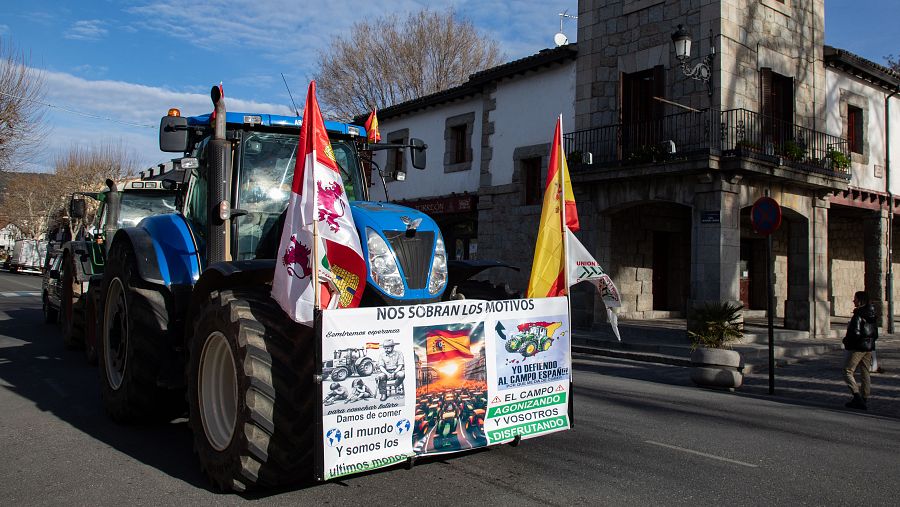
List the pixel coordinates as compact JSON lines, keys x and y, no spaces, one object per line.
{"x":659,"y":90}
{"x":766,"y":106}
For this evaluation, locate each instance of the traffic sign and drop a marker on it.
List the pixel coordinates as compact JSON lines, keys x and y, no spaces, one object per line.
{"x":765,"y":216}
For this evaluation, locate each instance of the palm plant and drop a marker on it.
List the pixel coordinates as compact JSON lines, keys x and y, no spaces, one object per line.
{"x":716,"y":326}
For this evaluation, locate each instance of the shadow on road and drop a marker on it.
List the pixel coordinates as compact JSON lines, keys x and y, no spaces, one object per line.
{"x":60,"y":382}
{"x":818,"y":382}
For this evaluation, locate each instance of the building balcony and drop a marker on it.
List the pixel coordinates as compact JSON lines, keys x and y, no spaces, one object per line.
{"x":735,"y":140}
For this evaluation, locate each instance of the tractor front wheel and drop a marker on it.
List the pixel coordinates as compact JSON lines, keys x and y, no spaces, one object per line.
{"x":251,"y":392}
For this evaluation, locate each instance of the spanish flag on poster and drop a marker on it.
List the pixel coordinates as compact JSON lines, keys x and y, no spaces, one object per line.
{"x":443,"y":344}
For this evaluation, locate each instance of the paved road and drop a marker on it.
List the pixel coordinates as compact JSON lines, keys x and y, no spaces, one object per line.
{"x":651,"y":440}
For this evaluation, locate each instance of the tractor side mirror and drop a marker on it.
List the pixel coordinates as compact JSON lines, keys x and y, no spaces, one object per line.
{"x":417,"y":153}
{"x":173,"y":134}
{"x":77,"y":208}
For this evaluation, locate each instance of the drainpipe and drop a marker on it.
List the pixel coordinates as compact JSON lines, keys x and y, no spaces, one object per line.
{"x":890,"y":235}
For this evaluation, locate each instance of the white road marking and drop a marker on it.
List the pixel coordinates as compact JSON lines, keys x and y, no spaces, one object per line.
{"x":20,"y":293}
{"x":698,"y":453}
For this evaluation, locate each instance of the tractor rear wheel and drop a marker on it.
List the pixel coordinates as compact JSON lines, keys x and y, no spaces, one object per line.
{"x":251,"y":392}
{"x":72,"y":317}
{"x":133,"y":344}
{"x":51,"y":315}
{"x":91,"y":338}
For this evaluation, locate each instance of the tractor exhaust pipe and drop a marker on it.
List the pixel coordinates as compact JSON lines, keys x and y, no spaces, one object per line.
{"x":219,"y":168}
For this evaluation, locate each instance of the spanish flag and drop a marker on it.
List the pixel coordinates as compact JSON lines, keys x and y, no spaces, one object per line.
{"x":373,"y":345}
{"x":548,"y":273}
{"x":442,"y":344}
{"x":372,"y":133}
{"x":551,"y":327}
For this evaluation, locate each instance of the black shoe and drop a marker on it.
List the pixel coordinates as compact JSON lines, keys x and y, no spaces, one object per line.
{"x":856,"y":402}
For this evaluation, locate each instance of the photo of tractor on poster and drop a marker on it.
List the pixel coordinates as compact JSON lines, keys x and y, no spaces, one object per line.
{"x":451,"y":393}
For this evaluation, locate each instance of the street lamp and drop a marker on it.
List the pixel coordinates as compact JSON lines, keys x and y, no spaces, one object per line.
{"x":703,"y":70}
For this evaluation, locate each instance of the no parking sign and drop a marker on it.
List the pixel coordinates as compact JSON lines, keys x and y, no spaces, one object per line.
{"x":765,"y":216}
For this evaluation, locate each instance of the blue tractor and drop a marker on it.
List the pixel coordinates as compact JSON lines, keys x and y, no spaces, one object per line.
{"x":185,"y":299}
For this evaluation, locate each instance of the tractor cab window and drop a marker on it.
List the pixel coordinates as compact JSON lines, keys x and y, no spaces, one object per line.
{"x":195,"y":206}
{"x":266,"y":174}
{"x":138,"y":205}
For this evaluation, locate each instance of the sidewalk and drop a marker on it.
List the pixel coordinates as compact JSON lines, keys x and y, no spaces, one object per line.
{"x":807,"y":371}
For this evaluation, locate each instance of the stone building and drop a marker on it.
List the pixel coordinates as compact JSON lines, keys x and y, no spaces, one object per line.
{"x":676,"y":163}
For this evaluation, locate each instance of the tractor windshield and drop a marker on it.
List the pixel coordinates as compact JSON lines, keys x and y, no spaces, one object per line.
{"x":267,"y":171}
{"x":138,"y":205}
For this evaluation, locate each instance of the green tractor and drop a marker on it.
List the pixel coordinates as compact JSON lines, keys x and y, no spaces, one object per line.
{"x":530,"y":342}
{"x":348,"y":362}
{"x":84,"y":258}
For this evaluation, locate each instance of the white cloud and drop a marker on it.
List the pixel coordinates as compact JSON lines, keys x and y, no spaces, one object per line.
{"x":4,"y":29}
{"x":87,"y":29}
{"x":287,"y":31}
{"x":121,"y":111}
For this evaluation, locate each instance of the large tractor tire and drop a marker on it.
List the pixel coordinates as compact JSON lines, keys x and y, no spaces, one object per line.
{"x":251,"y":392}
{"x":91,"y":333}
{"x":71,"y":317}
{"x":134,"y":330}
{"x":51,"y":315}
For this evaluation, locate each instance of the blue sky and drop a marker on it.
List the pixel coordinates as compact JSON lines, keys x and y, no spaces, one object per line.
{"x":130,"y":60}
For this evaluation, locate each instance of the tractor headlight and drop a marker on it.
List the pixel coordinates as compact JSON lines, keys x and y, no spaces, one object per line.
{"x":438,"y":278}
{"x":383,"y":265}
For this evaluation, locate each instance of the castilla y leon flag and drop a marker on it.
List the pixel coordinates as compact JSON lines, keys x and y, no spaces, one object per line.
{"x":371,"y":125}
{"x":548,"y":271}
{"x":441,"y":344}
{"x":319,"y":244}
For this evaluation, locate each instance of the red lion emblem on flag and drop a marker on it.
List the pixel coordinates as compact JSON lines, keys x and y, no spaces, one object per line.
{"x":327,"y":197}
{"x":297,"y":253}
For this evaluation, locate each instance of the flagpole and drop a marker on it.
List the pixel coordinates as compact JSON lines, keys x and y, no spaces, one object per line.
{"x":563,"y":166}
{"x":315,"y":263}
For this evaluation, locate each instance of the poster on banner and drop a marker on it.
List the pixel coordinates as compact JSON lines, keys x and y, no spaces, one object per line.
{"x":532,"y":367}
{"x":451,"y":387}
{"x":367,"y":393}
{"x":437,"y":378}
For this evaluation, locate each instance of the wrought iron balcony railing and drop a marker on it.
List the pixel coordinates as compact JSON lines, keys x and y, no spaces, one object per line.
{"x":732,"y":133}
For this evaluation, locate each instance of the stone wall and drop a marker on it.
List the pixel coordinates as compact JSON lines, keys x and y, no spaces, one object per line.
{"x":616,"y":36}
{"x":846,"y":259}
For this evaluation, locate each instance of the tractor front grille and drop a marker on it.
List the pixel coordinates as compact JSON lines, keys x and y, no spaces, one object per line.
{"x":414,"y":254}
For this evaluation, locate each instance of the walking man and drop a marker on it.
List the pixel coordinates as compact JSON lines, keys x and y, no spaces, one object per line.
{"x":862,"y":331}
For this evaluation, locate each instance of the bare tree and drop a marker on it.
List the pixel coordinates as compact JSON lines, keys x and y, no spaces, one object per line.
{"x":391,"y":60}
{"x":893,"y":63}
{"x":21,"y":112}
{"x":29,"y":202}
{"x":83,"y":169}
{"x":36,"y":202}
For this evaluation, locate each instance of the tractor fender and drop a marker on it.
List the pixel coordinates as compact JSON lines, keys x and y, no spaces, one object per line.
{"x":459,"y":270}
{"x":165,"y":249}
{"x":228,"y":275}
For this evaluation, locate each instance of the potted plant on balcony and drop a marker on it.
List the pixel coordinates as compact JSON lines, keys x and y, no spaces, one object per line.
{"x":837,"y":160}
{"x":713,"y":362}
{"x":794,"y":150}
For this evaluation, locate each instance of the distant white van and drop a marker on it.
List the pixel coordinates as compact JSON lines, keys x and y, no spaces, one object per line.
{"x":28,"y":255}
